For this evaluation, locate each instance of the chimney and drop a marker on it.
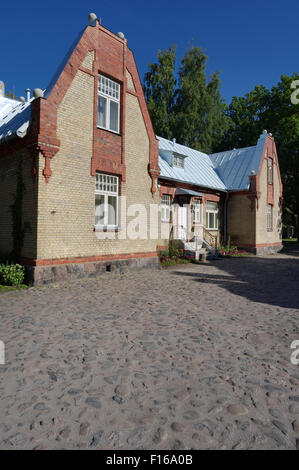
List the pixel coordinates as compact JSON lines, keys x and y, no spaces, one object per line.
{"x":28,"y":94}
{"x":173,"y":141}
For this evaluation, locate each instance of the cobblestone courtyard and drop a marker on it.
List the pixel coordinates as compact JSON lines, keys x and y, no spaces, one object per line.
{"x":193,"y":357}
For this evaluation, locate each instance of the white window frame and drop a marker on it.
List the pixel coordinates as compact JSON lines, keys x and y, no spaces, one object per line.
{"x":211,"y":210}
{"x":270,"y":218}
{"x":178,"y":161}
{"x":196,"y":210}
{"x":270,"y":170}
{"x":165,"y":207}
{"x":107,"y":185}
{"x":110,"y":91}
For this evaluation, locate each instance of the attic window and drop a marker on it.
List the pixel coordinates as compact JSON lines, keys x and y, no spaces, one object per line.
{"x":178,"y":161}
{"x":108,"y":104}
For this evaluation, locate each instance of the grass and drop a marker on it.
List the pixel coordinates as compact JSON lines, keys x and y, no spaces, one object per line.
{"x":11,"y":288}
{"x":173,"y":262}
{"x":289,"y":241}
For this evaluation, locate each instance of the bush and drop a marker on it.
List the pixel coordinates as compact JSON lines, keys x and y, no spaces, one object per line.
{"x":172,"y":256}
{"x":11,"y":274}
{"x":231,"y":251}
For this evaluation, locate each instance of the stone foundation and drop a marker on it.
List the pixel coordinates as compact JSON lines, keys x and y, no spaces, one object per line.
{"x":268,"y":250}
{"x":41,"y":275}
{"x":264,"y":250}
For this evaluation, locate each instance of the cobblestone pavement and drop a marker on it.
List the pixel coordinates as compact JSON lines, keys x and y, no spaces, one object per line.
{"x":193,"y":357}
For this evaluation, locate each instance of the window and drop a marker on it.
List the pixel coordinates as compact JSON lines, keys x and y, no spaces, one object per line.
{"x":108,"y":104}
{"x":106,"y":200}
{"x":165,"y":208}
{"x":178,"y":161}
{"x":270,"y":217}
{"x":212,"y":215}
{"x":270,"y":171}
{"x":196,"y":212}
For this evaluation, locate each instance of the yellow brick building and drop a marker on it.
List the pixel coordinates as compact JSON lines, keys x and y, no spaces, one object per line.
{"x":86,"y":186}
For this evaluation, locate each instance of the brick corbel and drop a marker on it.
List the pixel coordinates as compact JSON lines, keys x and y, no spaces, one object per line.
{"x":154,"y":174}
{"x":48,"y":153}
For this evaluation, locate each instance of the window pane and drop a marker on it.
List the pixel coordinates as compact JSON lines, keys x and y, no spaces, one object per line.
{"x":114,"y":116}
{"x":99,"y":209}
{"x":102,"y":111}
{"x":112,"y":210}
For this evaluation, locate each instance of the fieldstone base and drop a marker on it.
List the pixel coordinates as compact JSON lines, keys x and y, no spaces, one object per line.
{"x":265,"y":250}
{"x":41,"y":275}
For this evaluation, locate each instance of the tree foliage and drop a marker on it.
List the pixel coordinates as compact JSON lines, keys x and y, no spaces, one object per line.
{"x":270,"y":109}
{"x":189,"y":108}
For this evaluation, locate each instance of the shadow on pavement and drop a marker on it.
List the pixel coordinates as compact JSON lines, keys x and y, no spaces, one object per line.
{"x":272,"y":281}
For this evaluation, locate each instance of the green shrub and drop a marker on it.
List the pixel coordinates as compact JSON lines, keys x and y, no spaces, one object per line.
{"x":11,"y":274}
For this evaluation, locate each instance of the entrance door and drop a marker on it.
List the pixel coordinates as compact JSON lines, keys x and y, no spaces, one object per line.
{"x":182,"y":223}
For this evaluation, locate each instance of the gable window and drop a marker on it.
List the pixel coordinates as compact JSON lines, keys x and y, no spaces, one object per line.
{"x":106,"y":201}
{"x":108,"y":104}
{"x":178,"y":161}
{"x":165,"y":207}
{"x":196,"y":211}
{"x":212,"y":215}
{"x":270,"y":171}
{"x":270,"y":217}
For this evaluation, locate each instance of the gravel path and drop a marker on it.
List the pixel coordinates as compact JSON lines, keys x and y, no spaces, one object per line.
{"x":193,"y":357}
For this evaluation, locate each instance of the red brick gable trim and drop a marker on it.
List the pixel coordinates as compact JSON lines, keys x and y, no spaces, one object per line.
{"x":270,"y":150}
{"x":112,"y":58}
{"x":153,"y":167}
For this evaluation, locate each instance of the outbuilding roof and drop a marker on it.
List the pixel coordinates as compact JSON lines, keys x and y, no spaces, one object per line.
{"x":224,"y":171}
{"x":198,"y":167}
{"x":235,"y":166}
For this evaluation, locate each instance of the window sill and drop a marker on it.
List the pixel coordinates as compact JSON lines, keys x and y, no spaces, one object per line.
{"x":108,"y":130}
{"x":102,"y":228}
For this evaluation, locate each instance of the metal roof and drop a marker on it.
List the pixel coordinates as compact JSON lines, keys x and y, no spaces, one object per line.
{"x":198,"y":167}
{"x":182,"y":191}
{"x":225,"y":171}
{"x":235,"y":166}
{"x":14,"y":117}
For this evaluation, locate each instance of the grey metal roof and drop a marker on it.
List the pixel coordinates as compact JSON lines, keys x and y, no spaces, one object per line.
{"x":198,"y":167}
{"x":225,"y":171}
{"x":235,"y":166}
{"x":15,"y":118}
{"x":190,"y":192}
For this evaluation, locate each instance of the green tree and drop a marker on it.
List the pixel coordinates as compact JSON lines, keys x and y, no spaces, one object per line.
{"x":270,"y":109}
{"x":159,"y":89}
{"x":190,"y":108}
{"x":200,"y":112}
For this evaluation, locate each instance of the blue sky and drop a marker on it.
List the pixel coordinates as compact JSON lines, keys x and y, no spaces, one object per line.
{"x":249,"y":42}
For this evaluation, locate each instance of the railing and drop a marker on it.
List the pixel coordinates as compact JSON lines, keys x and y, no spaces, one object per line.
{"x":209,"y":238}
